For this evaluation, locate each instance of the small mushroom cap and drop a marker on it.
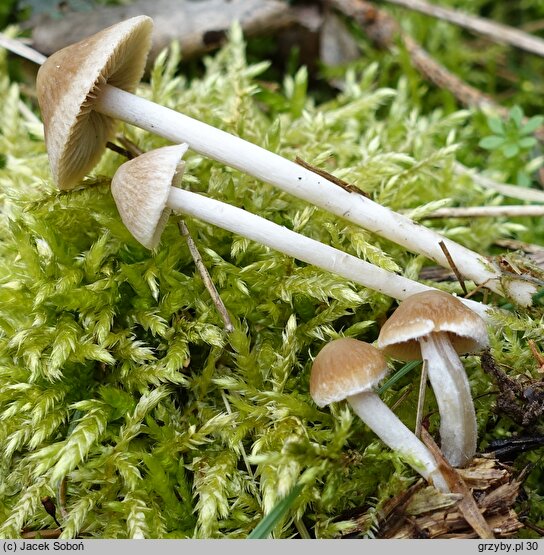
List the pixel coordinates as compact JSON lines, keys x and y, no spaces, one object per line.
{"x":428,"y":312}
{"x":68,"y":83}
{"x":141,"y":187}
{"x":345,"y":367}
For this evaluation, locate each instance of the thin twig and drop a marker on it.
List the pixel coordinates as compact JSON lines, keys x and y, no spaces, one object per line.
{"x":402,"y":398}
{"x":332,"y":178}
{"x":421,"y":399}
{"x":453,"y":267}
{"x":119,"y":150}
{"x":467,"y":505}
{"x":495,"y":31}
{"x":516,"y":245}
{"x":513,"y":211}
{"x":131,"y":147}
{"x":208,"y":283}
{"x":505,"y":189}
{"x":384,"y":31}
{"x":445,"y":79}
{"x":476,"y":289}
{"x":532,"y":526}
{"x":47,"y":534}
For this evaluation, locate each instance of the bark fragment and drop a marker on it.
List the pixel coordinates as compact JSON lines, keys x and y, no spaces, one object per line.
{"x":429,"y":514}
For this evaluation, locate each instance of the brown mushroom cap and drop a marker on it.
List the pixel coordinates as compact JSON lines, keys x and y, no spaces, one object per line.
{"x":345,"y":367}
{"x":141,"y":187}
{"x":428,"y":312}
{"x":68,"y":83}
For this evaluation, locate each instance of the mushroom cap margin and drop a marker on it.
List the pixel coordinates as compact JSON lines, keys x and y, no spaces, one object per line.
{"x":140,"y":188}
{"x":345,"y":367}
{"x":428,"y":312}
{"x":68,"y":83}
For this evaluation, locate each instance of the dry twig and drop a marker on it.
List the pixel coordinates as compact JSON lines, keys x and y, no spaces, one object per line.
{"x":454,"y":268}
{"x":467,"y":504}
{"x":208,"y":283}
{"x":134,"y":149}
{"x":47,"y":534}
{"x":421,"y":399}
{"x":332,"y":178}
{"x":512,"y":211}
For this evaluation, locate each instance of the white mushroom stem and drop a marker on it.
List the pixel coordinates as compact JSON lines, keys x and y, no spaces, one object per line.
{"x":387,"y":426}
{"x":305,"y":184}
{"x":458,"y":429}
{"x":298,"y":246}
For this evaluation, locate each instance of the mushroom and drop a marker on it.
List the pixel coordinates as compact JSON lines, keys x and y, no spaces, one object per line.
{"x":84,"y":87}
{"x":68,"y":84}
{"x":437,"y":327}
{"x":143,"y":191}
{"x":350,"y":369}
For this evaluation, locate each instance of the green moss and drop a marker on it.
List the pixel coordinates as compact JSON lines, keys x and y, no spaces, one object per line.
{"x":117,"y":375}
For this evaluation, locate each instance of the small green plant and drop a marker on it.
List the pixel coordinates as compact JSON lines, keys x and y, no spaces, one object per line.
{"x":513,"y":138}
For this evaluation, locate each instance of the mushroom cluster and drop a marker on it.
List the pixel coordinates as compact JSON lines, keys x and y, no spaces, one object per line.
{"x":433,"y":326}
{"x":350,"y":369}
{"x":83,"y":88}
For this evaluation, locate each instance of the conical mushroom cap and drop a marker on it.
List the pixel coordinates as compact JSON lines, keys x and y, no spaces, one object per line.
{"x":68,"y":83}
{"x":428,"y":312}
{"x":345,"y":367}
{"x":141,"y":187}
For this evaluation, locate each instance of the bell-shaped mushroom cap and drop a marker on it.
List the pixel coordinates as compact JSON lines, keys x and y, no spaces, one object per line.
{"x":427,"y":312}
{"x":345,"y":367}
{"x":68,"y":83}
{"x":141,"y":187}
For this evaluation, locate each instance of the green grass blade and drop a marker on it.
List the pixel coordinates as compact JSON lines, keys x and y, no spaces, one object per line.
{"x":398,"y":375}
{"x":267,"y":524}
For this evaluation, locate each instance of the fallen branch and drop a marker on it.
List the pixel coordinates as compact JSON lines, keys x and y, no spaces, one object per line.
{"x":497,"y":32}
{"x":198,"y":26}
{"x":384,"y":31}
